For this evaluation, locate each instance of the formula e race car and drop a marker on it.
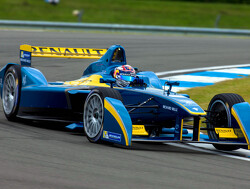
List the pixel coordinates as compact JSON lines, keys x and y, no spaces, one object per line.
{"x":145,"y":110}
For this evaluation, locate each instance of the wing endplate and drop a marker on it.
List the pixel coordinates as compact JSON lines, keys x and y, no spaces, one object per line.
{"x":241,"y":113}
{"x":117,"y":126}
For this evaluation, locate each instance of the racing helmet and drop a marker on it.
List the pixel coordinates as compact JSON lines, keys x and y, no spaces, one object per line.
{"x":124,"y":75}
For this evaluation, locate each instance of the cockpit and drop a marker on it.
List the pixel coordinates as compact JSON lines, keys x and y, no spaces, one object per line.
{"x":118,"y":55}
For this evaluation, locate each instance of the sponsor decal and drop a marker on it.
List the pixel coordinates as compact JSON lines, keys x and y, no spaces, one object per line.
{"x":170,"y":108}
{"x":139,"y":130}
{"x":225,"y":132}
{"x":112,"y":136}
{"x":67,"y":51}
{"x":25,"y":57}
{"x":25,"y":54}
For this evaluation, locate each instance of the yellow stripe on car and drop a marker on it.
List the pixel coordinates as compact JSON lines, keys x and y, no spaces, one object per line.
{"x":91,"y":80}
{"x":241,"y":126}
{"x":191,"y":112}
{"x":115,"y":114}
{"x":181,"y":129}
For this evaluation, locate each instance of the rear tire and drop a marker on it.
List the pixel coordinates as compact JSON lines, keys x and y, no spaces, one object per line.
{"x":93,"y":114}
{"x":11,"y":92}
{"x":219,"y":115}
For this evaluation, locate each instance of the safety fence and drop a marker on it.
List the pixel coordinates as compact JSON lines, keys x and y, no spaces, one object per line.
{"x":120,"y":27}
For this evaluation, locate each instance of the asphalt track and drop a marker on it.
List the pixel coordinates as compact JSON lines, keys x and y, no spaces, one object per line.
{"x":41,"y":155}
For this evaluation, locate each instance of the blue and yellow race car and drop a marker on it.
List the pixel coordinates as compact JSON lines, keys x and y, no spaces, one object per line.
{"x":144,"y":110}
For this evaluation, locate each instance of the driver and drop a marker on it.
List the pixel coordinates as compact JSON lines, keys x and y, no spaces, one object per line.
{"x":124,"y":75}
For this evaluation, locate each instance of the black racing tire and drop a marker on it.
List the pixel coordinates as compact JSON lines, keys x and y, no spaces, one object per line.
{"x":11,"y":92}
{"x":219,"y":115}
{"x":93,"y":113}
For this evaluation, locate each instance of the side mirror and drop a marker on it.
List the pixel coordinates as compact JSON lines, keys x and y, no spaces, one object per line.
{"x":170,"y":84}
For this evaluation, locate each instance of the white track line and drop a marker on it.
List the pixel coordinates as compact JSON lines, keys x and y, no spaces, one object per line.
{"x":186,"y":146}
{"x":201,"y":69}
{"x":234,"y":70}
{"x":176,"y":89}
{"x":239,"y":152}
{"x":194,"y":78}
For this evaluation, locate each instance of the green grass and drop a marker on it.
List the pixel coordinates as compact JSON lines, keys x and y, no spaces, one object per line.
{"x":203,"y":95}
{"x":146,"y":12}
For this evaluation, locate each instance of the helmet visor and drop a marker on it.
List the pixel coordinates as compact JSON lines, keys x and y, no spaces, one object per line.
{"x":127,"y":78}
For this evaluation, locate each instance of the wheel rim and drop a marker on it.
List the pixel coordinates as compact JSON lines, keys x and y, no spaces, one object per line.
{"x":9,"y":93}
{"x":219,"y":117}
{"x":93,"y":115}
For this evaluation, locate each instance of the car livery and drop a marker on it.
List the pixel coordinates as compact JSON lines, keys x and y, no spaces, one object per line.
{"x":143,"y":111}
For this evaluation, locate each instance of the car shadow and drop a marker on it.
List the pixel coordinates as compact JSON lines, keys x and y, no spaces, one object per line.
{"x":136,"y":146}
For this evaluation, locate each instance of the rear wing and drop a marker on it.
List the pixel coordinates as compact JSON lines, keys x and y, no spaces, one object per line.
{"x":28,"y":51}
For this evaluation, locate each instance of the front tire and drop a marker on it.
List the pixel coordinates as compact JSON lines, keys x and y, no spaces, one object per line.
{"x":93,"y":114}
{"x":219,"y":115}
{"x":11,"y":92}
